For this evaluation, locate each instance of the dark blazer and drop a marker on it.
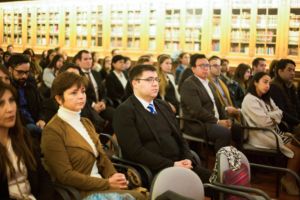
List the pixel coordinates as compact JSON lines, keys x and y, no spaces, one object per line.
{"x":287,"y":100}
{"x":34,"y":100}
{"x":138,"y":139}
{"x":115,"y":90}
{"x":197,"y":104}
{"x":91,"y":96}
{"x":39,"y":180}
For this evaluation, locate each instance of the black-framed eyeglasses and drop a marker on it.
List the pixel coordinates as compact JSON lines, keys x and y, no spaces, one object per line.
{"x":149,"y":80}
{"x":204,"y":66}
{"x":215,"y":65}
{"x":22,"y":72}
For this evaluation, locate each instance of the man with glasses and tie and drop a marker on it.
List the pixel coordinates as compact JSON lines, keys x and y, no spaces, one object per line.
{"x":146,"y":127}
{"x":199,"y":102}
{"x":30,"y":101}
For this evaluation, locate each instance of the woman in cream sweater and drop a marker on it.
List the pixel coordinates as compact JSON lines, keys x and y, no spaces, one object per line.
{"x":259,"y":110}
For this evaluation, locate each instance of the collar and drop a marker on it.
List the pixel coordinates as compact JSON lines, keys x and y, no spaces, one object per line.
{"x":86,"y":71}
{"x":143,"y":102}
{"x":67,"y":114}
{"x":203,"y":81}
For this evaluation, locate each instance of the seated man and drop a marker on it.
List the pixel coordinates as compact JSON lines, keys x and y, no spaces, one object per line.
{"x":30,"y":100}
{"x":147,"y":130}
{"x":199,"y":101}
{"x":220,"y":87}
{"x":283,"y":92}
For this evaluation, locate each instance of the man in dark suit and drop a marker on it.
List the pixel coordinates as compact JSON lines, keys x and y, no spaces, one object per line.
{"x":96,"y":95}
{"x":284,"y":94}
{"x":147,"y":130}
{"x":199,"y":101}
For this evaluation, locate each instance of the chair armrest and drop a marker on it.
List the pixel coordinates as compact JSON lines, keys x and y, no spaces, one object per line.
{"x":196,"y":157}
{"x":143,"y":170}
{"x":245,"y":189}
{"x":114,"y":143}
{"x":71,"y":190}
{"x":279,"y":169}
{"x":62,"y":192}
{"x":229,"y":191}
{"x":265,"y":129}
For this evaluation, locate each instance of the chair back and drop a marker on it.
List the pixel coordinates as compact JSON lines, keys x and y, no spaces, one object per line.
{"x":180,"y":180}
{"x":223,"y":164}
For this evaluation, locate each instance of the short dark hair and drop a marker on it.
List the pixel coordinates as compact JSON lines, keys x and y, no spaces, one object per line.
{"x":65,"y":81}
{"x":137,"y":71}
{"x":252,"y":88}
{"x":282,"y":63}
{"x":195,"y":57}
{"x":17,"y":59}
{"x":256,"y":61}
{"x":116,"y":58}
{"x":223,"y":60}
{"x":69,"y":65}
{"x":214,"y":58}
{"x":78,"y":56}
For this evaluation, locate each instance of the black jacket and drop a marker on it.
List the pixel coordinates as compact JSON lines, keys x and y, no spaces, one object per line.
{"x":139,"y":140}
{"x":34,"y":100}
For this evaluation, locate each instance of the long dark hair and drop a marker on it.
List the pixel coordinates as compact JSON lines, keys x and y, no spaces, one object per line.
{"x":252,"y":88}
{"x":239,"y":74}
{"x":21,"y":144}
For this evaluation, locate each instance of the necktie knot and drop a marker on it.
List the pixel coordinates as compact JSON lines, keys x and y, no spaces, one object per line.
{"x":151,"y":108}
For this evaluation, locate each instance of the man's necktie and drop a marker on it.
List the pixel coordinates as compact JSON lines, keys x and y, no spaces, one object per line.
{"x":151,"y":108}
{"x":94,"y":88}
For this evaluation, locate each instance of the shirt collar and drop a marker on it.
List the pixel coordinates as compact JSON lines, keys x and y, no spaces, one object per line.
{"x":143,"y":102}
{"x":203,"y":81}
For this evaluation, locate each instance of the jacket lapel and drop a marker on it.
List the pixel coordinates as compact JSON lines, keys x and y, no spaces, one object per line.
{"x":140,"y":109}
{"x":74,"y":139}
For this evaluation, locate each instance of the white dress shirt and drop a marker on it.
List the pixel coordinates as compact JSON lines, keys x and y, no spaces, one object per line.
{"x":121,"y":78}
{"x":208,"y":90}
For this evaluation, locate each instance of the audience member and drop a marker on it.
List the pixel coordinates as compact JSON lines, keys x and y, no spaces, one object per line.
{"x":199,"y":102}
{"x":155,"y":139}
{"x":167,"y":87}
{"x":259,"y":109}
{"x":4,"y":75}
{"x":96,"y":61}
{"x":258,"y":65}
{"x":184,"y":61}
{"x":72,"y":149}
{"x":284,"y":94}
{"x":241,"y":77}
{"x":220,"y":87}
{"x":106,"y":67}
{"x":116,"y":80}
{"x":272,"y":68}
{"x":29,"y":98}
{"x":22,"y":175}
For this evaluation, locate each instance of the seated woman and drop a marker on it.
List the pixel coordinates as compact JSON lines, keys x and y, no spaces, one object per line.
{"x":50,"y":73}
{"x":167,"y":87}
{"x":238,"y":90}
{"x":21,"y":173}
{"x":260,"y":110}
{"x":71,"y":146}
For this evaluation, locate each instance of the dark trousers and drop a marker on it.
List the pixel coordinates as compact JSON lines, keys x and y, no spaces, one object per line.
{"x":219,"y":135}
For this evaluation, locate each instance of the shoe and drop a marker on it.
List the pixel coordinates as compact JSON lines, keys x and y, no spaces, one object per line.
{"x":290,"y":187}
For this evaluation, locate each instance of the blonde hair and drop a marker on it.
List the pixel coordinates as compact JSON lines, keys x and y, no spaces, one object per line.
{"x":161,"y":75}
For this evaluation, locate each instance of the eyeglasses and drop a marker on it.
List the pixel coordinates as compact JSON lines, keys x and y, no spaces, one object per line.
{"x":204,"y":66}
{"x":21,"y":72}
{"x":215,"y":65}
{"x":149,"y":80}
